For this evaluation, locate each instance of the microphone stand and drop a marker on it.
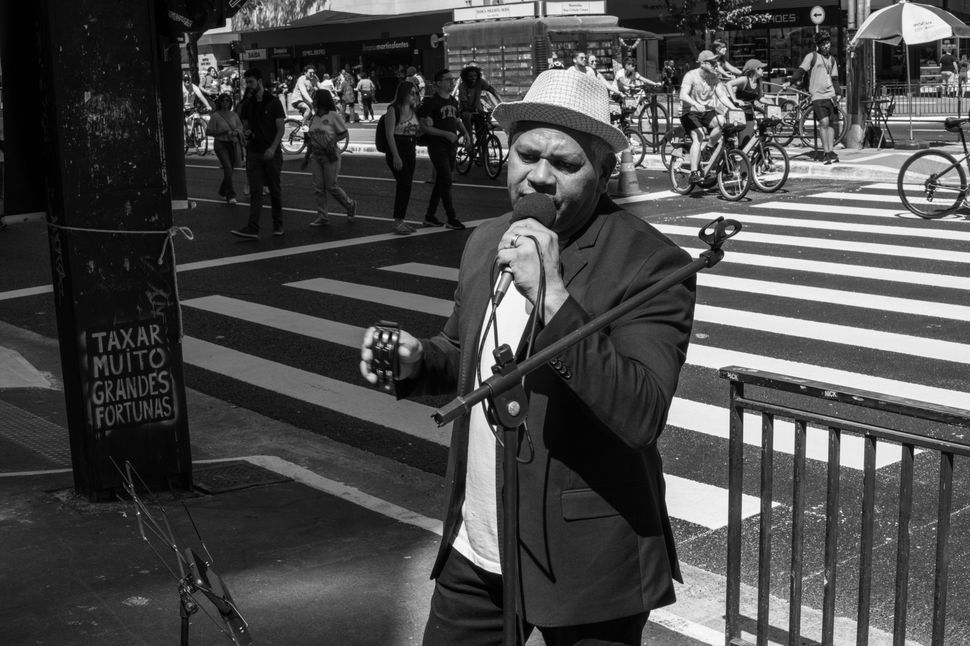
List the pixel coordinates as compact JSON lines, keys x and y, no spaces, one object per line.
{"x":509,"y":403}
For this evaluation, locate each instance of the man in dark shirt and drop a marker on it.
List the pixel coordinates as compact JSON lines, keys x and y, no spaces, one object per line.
{"x":439,"y":116}
{"x":262,"y":116}
{"x":948,"y":69}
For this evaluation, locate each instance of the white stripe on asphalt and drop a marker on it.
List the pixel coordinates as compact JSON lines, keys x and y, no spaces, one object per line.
{"x":701,"y":355}
{"x":656,"y":195}
{"x":835,"y":225}
{"x":695,"y":502}
{"x":689,"y":415}
{"x":27,"y":291}
{"x":840,"y":209}
{"x":812,"y":244}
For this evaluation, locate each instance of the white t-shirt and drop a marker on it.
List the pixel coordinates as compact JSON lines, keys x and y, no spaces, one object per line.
{"x":477,"y":538}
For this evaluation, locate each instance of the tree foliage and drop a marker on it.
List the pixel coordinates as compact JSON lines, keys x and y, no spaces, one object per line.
{"x":694,"y":17}
{"x":267,"y":14}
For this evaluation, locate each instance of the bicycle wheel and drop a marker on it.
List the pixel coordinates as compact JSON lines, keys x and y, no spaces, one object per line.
{"x":672,"y":140}
{"x":734,"y":176}
{"x":645,"y":124}
{"x":679,"y":172}
{"x":293,"y":140}
{"x":784,"y":131}
{"x":638,"y":145}
{"x":493,"y":156}
{"x":932,"y":184}
{"x":463,"y":161}
{"x":200,"y":143}
{"x":769,"y":166}
{"x":807,"y":128}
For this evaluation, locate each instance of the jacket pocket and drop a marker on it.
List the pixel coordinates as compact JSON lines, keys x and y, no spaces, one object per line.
{"x":585,"y":504}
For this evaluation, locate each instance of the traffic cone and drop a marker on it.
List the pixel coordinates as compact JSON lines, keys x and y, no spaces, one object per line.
{"x":628,"y":184}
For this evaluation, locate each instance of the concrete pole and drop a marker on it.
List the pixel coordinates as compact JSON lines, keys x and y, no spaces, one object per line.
{"x":858,"y":86}
{"x":109,"y":214}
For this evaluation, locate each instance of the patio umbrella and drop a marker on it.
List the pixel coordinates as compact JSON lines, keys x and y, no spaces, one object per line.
{"x":910,"y":23}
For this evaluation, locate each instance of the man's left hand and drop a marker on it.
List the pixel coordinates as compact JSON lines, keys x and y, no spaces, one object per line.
{"x":269,"y":153}
{"x":522,"y":259}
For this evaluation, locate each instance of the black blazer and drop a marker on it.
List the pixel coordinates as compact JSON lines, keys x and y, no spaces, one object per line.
{"x":595,"y":538}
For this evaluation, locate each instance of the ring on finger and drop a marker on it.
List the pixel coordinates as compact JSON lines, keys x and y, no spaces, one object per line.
{"x":515,"y":239}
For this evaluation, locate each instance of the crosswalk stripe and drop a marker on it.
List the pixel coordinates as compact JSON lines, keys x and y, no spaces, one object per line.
{"x":833,"y":225}
{"x":826,"y":243}
{"x":694,"y":502}
{"x":838,"y":209}
{"x":688,"y":415}
{"x":698,"y":354}
{"x":880,"y":198}
{"x":773,"y":262}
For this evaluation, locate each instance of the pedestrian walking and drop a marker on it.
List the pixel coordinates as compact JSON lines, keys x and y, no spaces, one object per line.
{"x":401,"y":129}
{"x":325,"y":128}
{"x":365,"y":93}
{"x":262,"y":116}
{"x":948,"y":69}
{"x":823,"y":86}
{"x":439,"y":119}
{"x":348,"y":95}
{"x":595,"y":548}
{"x":209,"y":84}
{"x":226,"y":129}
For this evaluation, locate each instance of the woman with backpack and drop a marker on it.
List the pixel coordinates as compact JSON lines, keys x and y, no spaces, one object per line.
{"x":401,"y":129}
{"x":325,"y":128}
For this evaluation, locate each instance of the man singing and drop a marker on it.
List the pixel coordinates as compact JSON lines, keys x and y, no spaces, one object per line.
{"x":596,"y":550}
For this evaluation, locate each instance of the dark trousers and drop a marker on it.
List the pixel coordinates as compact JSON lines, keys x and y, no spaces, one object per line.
{"x":225,"y":153}
{"x":466,"y":609}
{"x":442,"y":157}
{"x":261,"y":172}
{"x":367,"y":105}
{"x":403,"y":178}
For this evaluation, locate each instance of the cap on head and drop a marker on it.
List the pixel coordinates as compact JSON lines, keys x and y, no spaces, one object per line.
{"x":568,"y":100}
{"x":707,"y":55}
{"x":752,"y":64}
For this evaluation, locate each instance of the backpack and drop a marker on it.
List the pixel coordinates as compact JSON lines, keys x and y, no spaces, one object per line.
{"x":380,"y":135}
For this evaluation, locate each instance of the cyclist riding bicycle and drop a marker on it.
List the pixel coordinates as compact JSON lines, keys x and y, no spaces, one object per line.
{"x":306,"y":85}
{"x":746,"y":91}
{"x":469,"y":95}
{"x":630,"y":80}
{"x":192,"y":95}
{"x":698,"y":113}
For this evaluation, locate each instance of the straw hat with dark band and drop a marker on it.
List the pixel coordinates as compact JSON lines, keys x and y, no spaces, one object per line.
{"x":568,"y":99}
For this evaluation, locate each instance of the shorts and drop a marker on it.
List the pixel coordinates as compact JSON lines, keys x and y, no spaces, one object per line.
{"x":698,"y":120}
{"x":825,"y":108}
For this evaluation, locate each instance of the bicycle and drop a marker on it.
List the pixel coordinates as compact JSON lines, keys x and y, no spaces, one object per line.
{"x":294,"y":134}
{"x":194,"y":132}
{"x":485,"y":147}
{"x":727,"y":163}
{"x":798,"y":118}
{"x":638,"y":145}
{"x":769,"y":160}
{"x":650,"y":116}
{"x":932,"y":183}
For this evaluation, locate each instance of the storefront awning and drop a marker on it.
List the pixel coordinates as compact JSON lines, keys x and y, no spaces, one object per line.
{"x":218,"y":38}
{"x":594,"y":25}
{"x":470,"y":34}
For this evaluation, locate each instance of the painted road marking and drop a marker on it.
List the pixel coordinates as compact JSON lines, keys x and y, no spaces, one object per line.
{"x":834,"y":225}
{"x":840,"y":209}
{"x":811,"y":243}
{"x":689,"y":415}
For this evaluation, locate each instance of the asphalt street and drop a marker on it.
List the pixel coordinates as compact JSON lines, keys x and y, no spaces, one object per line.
{"x":829,"y":280}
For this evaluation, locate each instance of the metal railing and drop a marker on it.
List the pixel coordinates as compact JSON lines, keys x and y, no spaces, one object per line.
{"x":928,"y":100}
{"x":915,"y":428}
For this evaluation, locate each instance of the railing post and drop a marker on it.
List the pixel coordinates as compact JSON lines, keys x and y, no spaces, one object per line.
{"x":735,"y":482}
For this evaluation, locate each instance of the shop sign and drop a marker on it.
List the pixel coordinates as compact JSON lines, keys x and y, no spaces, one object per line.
{"x":313,"y":51}
{"x":281,"y":52}
{"x":386,"y":45}
{"x":253,"y":54}
{"x":495,"y":12}
{"x":794,"y":17}
{"x":579,"y":8}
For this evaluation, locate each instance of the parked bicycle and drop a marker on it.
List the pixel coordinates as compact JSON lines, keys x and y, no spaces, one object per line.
{"x":727,"y":166}
{"x":649,"y":115}
{"x":932,"y":183}
{"x":194,"y":133}
{"x":798,"y":118}
{"x":486,"y":149}
{"x":294,"y":134}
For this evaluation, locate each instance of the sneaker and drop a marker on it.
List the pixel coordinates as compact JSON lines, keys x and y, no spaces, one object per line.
{"x":402,"y":228}
{"x":266,"y":190}
{"x":835,"y":158}
{"x":248,"y":232}
{"x":432,"y":221}
{"x":454,"y":223}
{"x":232,"y":201}
{"x":278,"y":230}
{"x":695,"y":177}
{"x":351,"y":210}
{"x":320,"y":221}
{"x":827,"y":159}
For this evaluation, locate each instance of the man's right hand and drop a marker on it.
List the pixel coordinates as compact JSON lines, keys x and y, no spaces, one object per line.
{"x":398,"y":164}
{"x":409,"y":353}
{"x":451,"y":137}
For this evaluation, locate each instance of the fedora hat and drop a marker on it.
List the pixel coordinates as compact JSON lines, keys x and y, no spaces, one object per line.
{"x":569,"y":99}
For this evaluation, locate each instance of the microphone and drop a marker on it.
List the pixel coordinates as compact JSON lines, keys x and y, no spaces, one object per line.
{"x":537,"y":206}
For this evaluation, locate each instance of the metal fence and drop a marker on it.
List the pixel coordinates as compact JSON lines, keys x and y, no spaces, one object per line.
{"x":927,"y":100}
{"x":823,"y":536}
